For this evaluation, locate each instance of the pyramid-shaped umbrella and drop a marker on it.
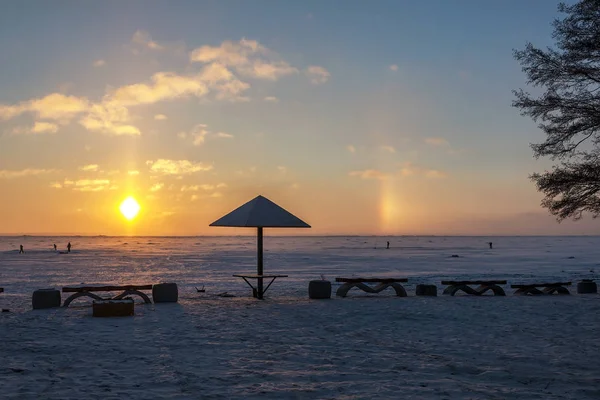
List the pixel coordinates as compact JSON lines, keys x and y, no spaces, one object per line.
{"x":260,"y":213}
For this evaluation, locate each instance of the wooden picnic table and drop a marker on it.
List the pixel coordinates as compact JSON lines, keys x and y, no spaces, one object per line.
{"x":88,"y":290}
{"x":549,"y":288}
{"x":255,"y":290}
{"x":383,"y":283}
{"x":484,"y":286}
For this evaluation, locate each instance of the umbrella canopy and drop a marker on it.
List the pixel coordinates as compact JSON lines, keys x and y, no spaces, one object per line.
{"x":260,"y":213}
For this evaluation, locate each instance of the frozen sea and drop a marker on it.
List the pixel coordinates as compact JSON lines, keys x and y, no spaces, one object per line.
{"x":361,"y":346}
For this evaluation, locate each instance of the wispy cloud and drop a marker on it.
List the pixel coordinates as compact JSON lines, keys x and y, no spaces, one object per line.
{"x":409,"y":169}
{"x":394,"y":67}
{"x":351,"y":149}
{"x":156,"y":187}
{"x":144,"y":39}
{"x":200,"y":132}
{"x":55,"y":106}
{"x":177,"y":167}
{"x":38,"y":128}
{"x":160,"y":117}
{"x":133,"y":172}
{"x":389,"y":149}
{"x":246,"y":57}
{"x":317,"y":75}
{"x":99,"y":63}
{"x":436,"y":141}
{"x":11,"y":174}
{"x":89,"y":167}
{"x":224,"y":135}
{"x":369,"y":174}
{"x":88,"y":185}
{"x":271,"y":99}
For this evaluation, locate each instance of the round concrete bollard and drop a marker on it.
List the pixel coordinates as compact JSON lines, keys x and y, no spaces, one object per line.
{"x":587,"y":286}
{"x":319,"y":289}
{"x":165,"y":293}
{"x":45,"y":298}
{"x":426,"y":290}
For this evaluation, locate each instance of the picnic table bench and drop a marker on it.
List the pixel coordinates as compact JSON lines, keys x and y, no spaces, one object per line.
{"x":79,"y":291}
{"x":383,"y":283}
{"x":549,"y":288}
{"x":484,"y":286}
{"x":258,"y":291}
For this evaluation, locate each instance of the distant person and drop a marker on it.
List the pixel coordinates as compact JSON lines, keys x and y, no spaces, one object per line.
{"x":55,"y":247}
{"x":21,"y":249}
{"x":69,"y":247}
{"x":388,"y":245}
{"x":490,"y":243}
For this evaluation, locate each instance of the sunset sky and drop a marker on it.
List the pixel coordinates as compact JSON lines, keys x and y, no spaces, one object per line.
{"x":360,"y":117}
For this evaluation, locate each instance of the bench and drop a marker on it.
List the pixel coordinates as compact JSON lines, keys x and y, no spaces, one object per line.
{"x":79,"y":291}
{"x":484,"y":286}
{"x":383,"y":283}
{"x":549,"y":288}
{"x":258,"y":292}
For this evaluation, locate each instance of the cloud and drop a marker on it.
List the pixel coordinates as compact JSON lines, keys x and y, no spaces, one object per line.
{"x":177,"y":167}
{"x":99,"y":63}
{"x":160,"y":117}
{"x":39,"y":127}
{"x":164,"y":86}
{"x":156,"y":187}
{"x":437,"y":141}
{"x":110,"y":118}
{"x":282,"y":169}
{"x":89,"y":185}
{"x":44,"y":127}
{"x":351,"y":149}
{"x":144,"y":39}
{"x":11,"y":174}
{"x":317,"y":75}
{"x":247,"y":57}
{"x":221,"y":185}
{"x":389,"y":149}
{"x":191,"y":188}
{"x":432,"y":173}
{"x":369,"y":174}
{"x":133,"y":172}
{"x":271,"y":99}
{"x":55,"y":106}
{"x":199,"y":133}
{"x":90,"y":167}
{"x":409,"y":169}
{"x":394,"y":67}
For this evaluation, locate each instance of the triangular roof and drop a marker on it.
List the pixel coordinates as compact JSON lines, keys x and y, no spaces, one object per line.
{"x":260,"y":212}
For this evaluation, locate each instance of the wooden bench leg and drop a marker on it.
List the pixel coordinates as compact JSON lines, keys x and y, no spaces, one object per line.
{"x":81,"y":294}
{"x":498,"y":291}
{"x":557,"y":289}
{"x":343,"y":289}
{"x":400,"y":291}
{"x":136,"y":292}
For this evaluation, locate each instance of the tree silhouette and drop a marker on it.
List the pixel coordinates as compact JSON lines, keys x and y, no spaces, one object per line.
{"x":568,"y":111}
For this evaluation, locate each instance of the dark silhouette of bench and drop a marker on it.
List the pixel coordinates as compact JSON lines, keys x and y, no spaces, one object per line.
{"x":531,"y":289}
{"x":383,"y":283}
{"x":465,"y":286}
{"x":79,"y":291}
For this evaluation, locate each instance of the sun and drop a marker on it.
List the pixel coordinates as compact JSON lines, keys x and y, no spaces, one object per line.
{"x":129,"y":208}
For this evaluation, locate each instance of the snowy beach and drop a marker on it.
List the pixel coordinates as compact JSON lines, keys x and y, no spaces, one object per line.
{"x":288,"y":346}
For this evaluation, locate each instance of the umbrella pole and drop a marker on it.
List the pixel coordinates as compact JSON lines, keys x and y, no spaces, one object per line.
{"x":259,"y":258}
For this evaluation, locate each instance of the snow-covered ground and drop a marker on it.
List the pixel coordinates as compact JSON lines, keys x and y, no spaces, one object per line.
{"x":288,"y":346}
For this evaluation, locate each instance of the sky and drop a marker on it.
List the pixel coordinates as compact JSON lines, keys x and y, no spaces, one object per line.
{"x":383,"y":117}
